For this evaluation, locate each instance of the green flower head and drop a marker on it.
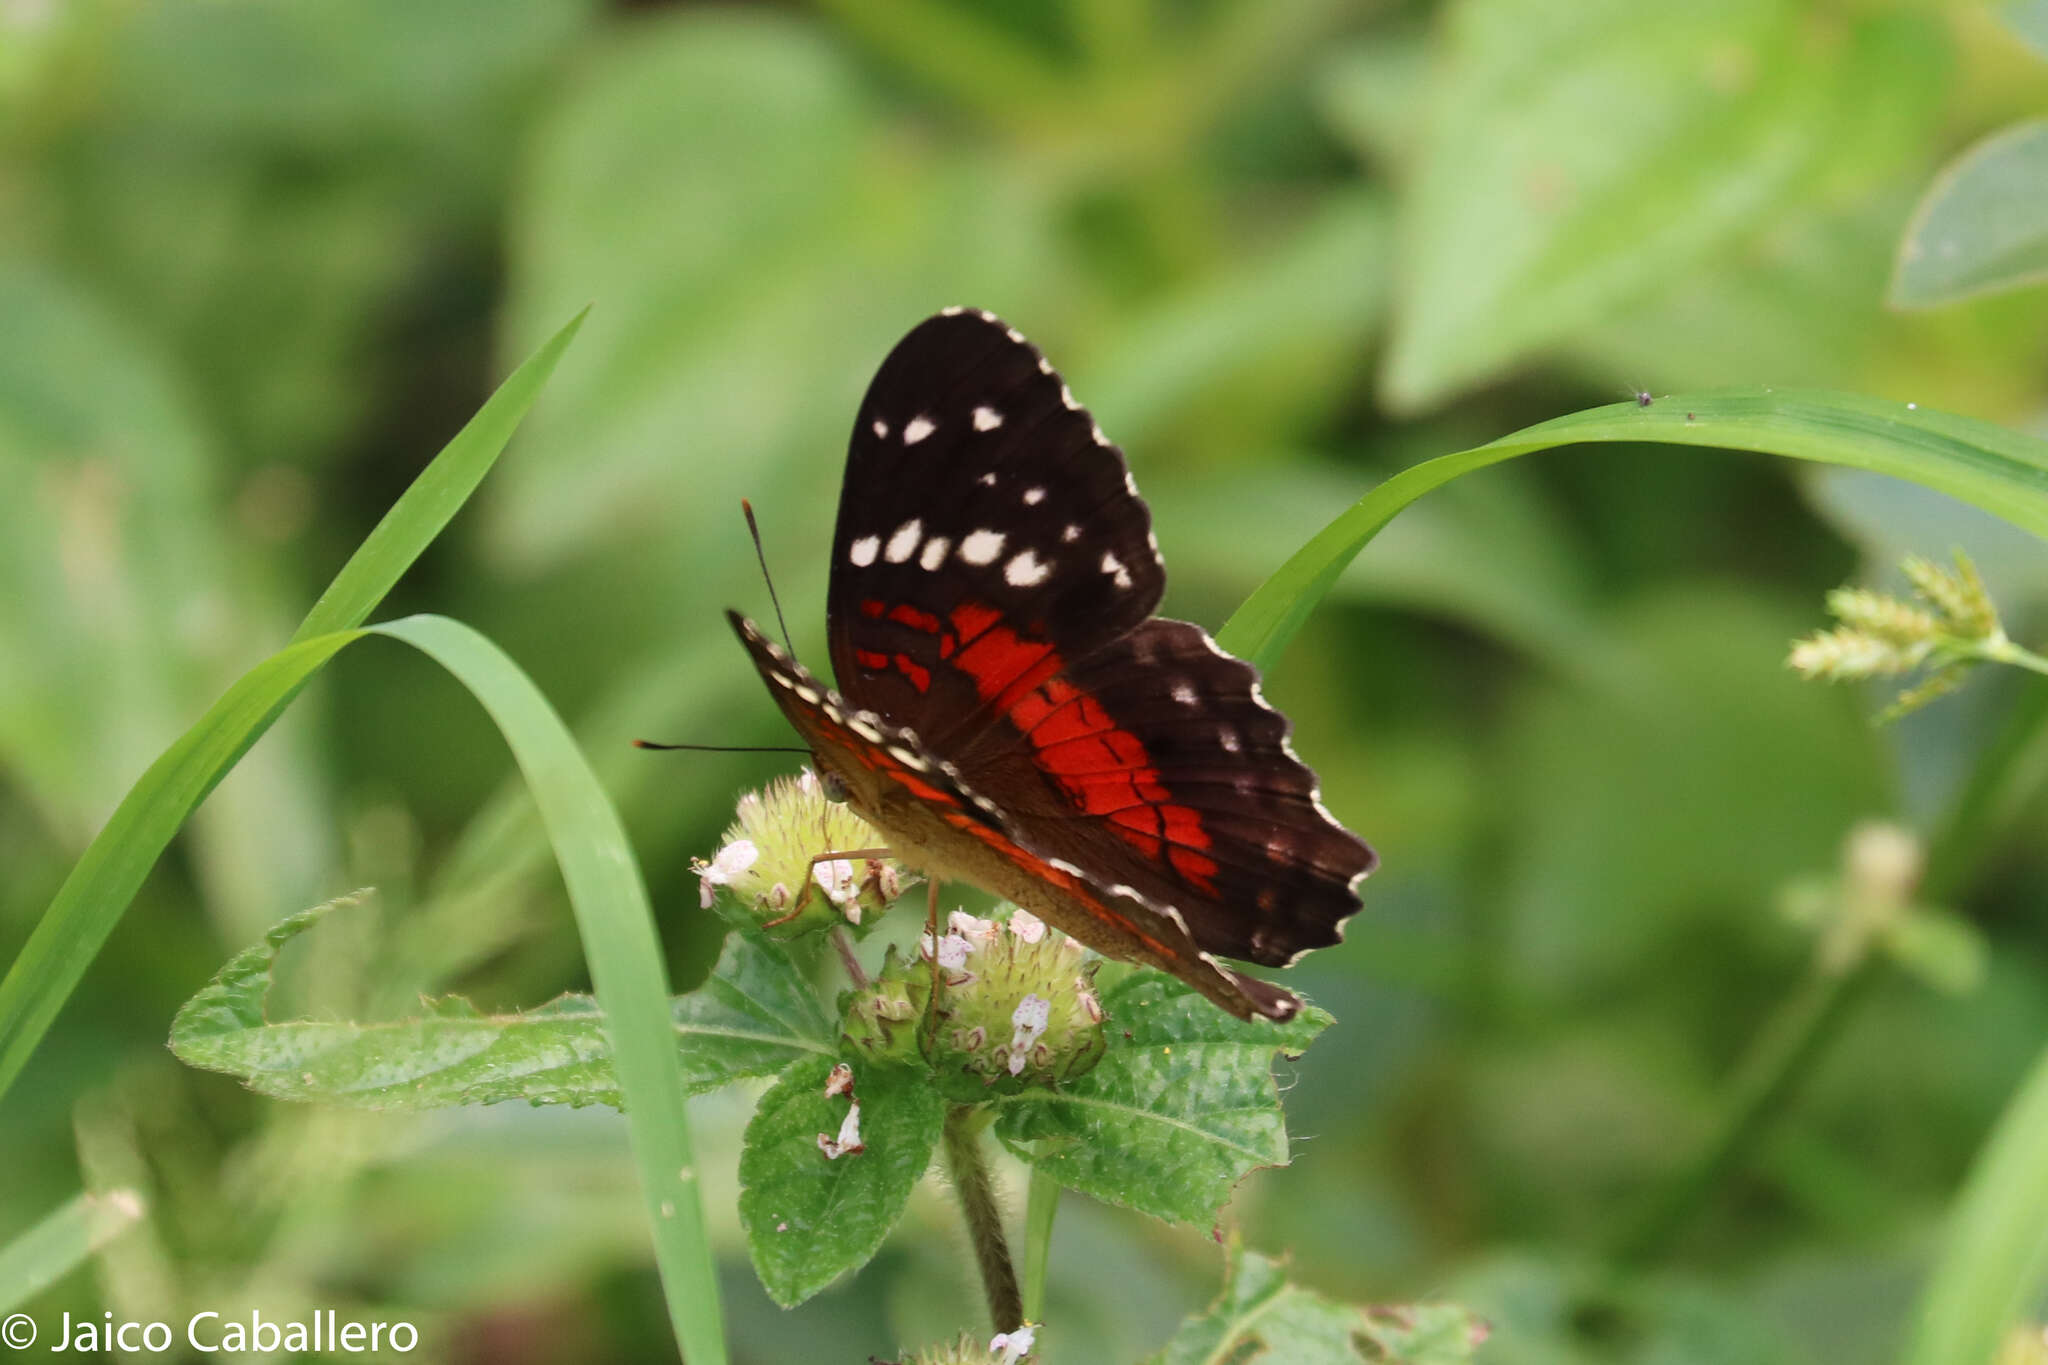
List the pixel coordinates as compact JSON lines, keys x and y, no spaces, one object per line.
{"x":1015,"y":1007}
{"x":768,"y":863}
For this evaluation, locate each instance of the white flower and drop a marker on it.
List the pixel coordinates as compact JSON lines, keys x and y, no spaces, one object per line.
{"x":1030,"y":1018}
{"x":735,"y":858}
{"x":1013,"y":1346}
{"x":848,"y":1142}
{"x":971,"y":926}
{"x":1027,"y":926}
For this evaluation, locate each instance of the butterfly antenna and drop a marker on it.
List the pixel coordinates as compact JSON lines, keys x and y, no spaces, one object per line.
{"x":723,"y":748}
{"x":762,"y":555}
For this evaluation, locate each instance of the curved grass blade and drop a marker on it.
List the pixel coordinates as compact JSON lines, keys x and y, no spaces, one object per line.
{"x":52,"y":1248}
{"x":616,"y":924}
{"x":1998,"y":470}
{"x":1995,"y":1259}
{"x":107,"y":876}
{"x":432,"y":499}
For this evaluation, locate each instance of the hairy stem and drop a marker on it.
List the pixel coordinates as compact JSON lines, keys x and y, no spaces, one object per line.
{"x":968,"y":1168}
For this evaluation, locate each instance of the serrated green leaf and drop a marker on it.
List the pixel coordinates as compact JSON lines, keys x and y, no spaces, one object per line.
{"x":1983,"y":224}
{"x":811,"y":1218}
{"x":1260,"y":1317}
{"x":1175,"y":1114}
{"x":754,"y":1016}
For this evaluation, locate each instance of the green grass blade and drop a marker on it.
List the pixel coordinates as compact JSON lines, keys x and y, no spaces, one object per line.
{"x":434,"y":497}
{"x":96,"y":894}
{"x":2000,"y":471}
{"x":53,"y":1247}
{"x":1996,"y":1256}
{"x":106,"y":878}
{"x":617,"y":927}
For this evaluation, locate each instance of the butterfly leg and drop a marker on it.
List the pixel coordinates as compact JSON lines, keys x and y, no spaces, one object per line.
{"x":803,"y":897}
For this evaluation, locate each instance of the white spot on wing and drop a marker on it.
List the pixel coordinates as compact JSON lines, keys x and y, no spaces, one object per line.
{"x":1112,"y":565}
{"x":987,"y":480}
{"x":987,"y":419}
{"x":1227,"y":737}
{"x":1025,"y":571}
{"x":904,"y":542}
{"x":881,"y":429}
{"x":982,"y":547}
{"x":1033,"y":496}
{"x":1071,"y":534}
{"x":865,"y":730}
{"x":934,"y":552}
{"x":1184,"y":693}
{"x":920,"y":427}
{"x":907,"y":758}
{"x":862,"y":552}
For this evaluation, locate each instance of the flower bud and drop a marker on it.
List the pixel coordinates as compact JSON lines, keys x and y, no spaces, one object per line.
{"x":1016,"y":1007}
{"x":963,"y":1350}
{"x":766,"y":862}
{"x":881,"y":1019}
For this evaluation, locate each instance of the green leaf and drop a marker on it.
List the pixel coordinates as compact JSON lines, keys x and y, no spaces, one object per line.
{"x":1998,"y":470}
{"x":811,"y":1218}
{"x":109,"y":873}
{"x":1994,"y":1261}
{"x":1260,"y":1317}
{"x":1938,"y":946}
{"x":754,"y":1016}
{"x":1982,"y":225}
{"x":1580,"y":155}
{"x":1175,"y":1114}
{"x":57,"y":1245}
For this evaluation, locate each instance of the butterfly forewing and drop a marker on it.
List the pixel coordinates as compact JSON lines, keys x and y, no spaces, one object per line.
{"x":985,"y":525}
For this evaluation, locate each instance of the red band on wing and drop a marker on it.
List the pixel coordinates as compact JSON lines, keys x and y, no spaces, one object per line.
{"x":1102,"y":766}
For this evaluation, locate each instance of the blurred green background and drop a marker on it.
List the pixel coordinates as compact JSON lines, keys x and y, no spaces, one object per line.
{"x":258,"y":261}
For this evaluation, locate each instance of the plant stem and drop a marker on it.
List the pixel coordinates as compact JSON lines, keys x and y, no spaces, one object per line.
{"x":2007,"y":772}
{"x":844,"y":946}
{"x":969,"y":1170}
{"x":1041,"y":1206}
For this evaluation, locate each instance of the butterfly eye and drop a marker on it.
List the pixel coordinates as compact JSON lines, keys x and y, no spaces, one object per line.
{"x":833,"y":785}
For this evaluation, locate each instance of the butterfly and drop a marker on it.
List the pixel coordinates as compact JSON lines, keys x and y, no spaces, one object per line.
{"x":1009,"y":711}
